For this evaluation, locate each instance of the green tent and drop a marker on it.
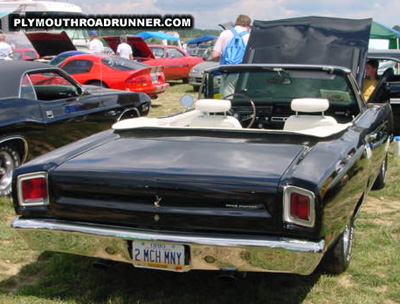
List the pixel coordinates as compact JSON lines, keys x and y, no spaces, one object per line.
{"x":380,"y":31}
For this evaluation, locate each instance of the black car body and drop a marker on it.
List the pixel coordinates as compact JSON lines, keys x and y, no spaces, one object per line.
{"x":248,"y":182}
{"x":43,"y":108}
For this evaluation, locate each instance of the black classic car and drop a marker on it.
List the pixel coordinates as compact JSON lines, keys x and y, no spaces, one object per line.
{"x":267,"y":173}
{"x":43,"y":108}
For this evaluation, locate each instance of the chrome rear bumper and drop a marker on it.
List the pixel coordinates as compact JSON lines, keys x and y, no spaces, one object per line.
{"x":217,"y":252}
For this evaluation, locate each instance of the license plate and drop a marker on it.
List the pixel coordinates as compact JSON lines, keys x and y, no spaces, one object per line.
{"x":158,"y":255}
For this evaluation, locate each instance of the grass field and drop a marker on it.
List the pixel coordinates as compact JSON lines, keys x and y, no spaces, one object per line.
{"x":373,"y":276}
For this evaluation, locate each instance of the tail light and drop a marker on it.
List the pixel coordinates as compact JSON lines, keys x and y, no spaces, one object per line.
{"x":33,"y":189}
{"x":299,"y":206}
{"x":139,"y":81}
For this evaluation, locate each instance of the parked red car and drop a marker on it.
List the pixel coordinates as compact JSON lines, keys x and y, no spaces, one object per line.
{"x":25,"y":54}
{"x":176,"y":62}
{"x":116,"y":73}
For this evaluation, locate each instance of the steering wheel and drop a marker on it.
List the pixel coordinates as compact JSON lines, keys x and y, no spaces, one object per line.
{"x":253,"y":106}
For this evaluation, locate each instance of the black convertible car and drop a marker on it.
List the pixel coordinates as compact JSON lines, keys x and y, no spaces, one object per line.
{"x":43,"y":108}
{"x":267,"y":173}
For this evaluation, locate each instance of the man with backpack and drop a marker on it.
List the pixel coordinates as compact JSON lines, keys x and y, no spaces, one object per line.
{"x":231,"y":43}
{"x":229,"y":49}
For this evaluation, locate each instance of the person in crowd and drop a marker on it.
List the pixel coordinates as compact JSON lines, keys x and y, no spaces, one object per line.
{"x":95,"y":45}
{"x":229,"y":51}
{"x":371,"y":78}
{"x":124,"y":50}
{"x":242,"y":24}
{"x":6,"y":52}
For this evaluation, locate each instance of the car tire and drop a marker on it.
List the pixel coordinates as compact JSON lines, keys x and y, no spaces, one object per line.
{"x":196,"y":88}
{"x":9,"y":160}
{"x":337,"y":258}
{"x":380,"y":181}
{"x":185,"y":80}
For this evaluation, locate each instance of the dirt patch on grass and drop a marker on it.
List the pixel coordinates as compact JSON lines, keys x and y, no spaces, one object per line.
{"x":345,"y":281}
{"x":380,"y":205}
{"x":9,"y":268}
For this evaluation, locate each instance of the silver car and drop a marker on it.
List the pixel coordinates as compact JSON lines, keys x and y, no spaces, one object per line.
{"x":196,"y":73}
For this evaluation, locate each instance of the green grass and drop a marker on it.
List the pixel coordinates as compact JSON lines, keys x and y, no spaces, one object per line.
{"x":373,"y":276}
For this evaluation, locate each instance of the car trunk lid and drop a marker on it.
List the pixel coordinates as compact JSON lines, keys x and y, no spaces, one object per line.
{"x":50,"y":43}
{"x":180,"y":182}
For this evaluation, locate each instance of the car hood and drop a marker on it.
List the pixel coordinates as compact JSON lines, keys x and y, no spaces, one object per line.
{"x":311,"y":40}
{"x":139,"y":46}
{"x":50,"y":43}
{"x":202,"y":66}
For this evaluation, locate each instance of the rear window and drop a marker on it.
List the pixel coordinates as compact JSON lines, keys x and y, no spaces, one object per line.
{"x":78,"y":66}
{"x":122,"y":64}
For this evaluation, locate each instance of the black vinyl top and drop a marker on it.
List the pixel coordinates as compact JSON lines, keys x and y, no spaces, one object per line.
{"x":311,"y":40}
{"x":11,"y":73}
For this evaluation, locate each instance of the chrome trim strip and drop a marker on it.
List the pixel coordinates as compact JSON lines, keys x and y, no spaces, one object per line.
{"x":246,"y":66}
{"x":262,"y":254}
{"x":279,"y":119}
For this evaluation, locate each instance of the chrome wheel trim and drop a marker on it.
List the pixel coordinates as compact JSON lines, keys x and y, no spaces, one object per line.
{"x":384,"y":169}
{"x":347,"y":242}
{"x":7,"y":167}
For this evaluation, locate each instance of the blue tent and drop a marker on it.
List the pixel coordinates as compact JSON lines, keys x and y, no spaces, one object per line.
{"x":201,"y":39}
{"x":159,"y":35}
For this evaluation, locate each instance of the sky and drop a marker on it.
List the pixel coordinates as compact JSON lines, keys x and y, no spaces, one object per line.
{"x":208,"y":13}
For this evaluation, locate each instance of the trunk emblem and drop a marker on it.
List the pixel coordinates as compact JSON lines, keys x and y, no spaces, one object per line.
{"x":157,"y":201}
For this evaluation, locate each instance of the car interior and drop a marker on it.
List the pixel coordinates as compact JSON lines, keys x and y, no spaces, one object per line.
{"x":389,"y":81}
{"x":309,"y":118}
{"x":310,"y":102}
{"x":47,"y":86}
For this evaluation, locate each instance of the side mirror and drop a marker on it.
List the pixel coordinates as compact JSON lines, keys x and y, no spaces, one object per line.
{"x":187,"y":101}
{"x":82,"y":91}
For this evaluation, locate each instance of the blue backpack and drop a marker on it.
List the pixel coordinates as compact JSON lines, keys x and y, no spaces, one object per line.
{"x":234,"y":51}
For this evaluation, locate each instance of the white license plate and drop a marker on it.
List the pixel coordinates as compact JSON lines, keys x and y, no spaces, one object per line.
{"x":158,"y":255}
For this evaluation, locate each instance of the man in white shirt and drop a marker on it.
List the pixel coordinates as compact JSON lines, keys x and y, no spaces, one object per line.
{"x":95,"y":44}
{"x":228,"y":81}
{"x":5,"y":49}
{"x":242,"y":23}
{"x":124,"y":50}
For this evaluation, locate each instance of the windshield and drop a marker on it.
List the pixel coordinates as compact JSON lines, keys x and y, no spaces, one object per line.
{"x":271,"y":91}
{"x":281,"y":86}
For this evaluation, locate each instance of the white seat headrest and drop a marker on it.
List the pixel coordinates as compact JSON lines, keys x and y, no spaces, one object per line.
{"x":309,"y":105}
{"x":213,"y":105}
